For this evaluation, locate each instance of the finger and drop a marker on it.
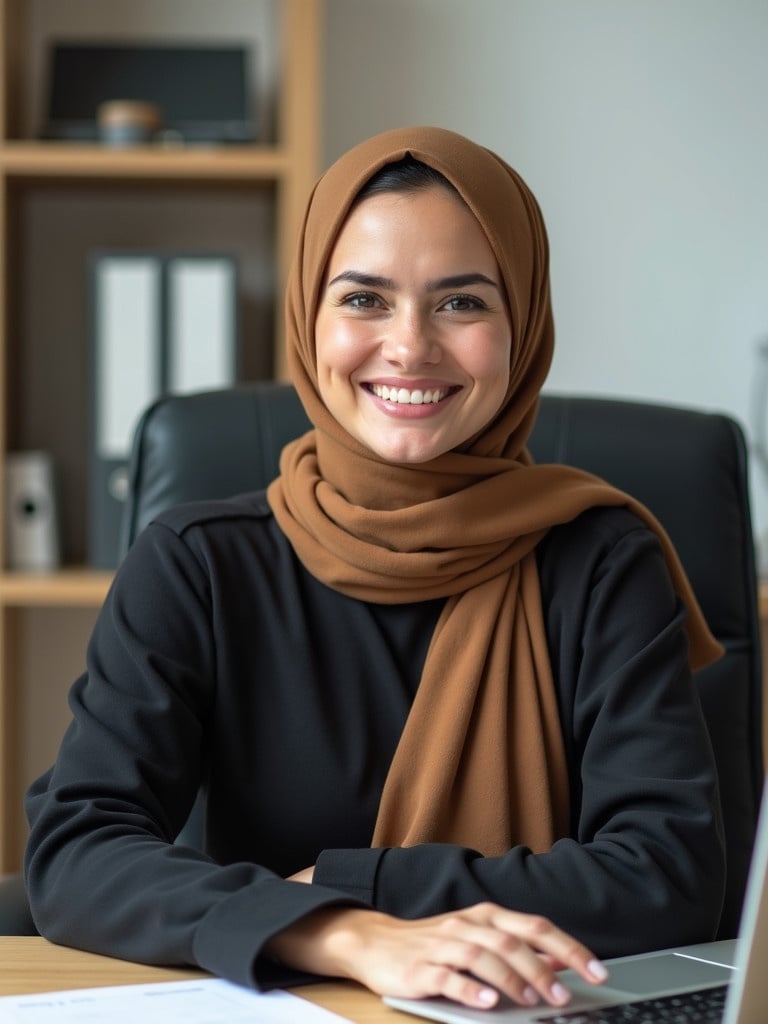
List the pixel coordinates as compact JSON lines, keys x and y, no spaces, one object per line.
{"x":443,"y":980}
{"x":519,"y":940}
{"x":500,"y":959}
{"x":491,"y":959}
{"x":543,"y":936}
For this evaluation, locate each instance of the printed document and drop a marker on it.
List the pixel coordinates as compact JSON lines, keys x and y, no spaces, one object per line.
{"x":207,"y":1001}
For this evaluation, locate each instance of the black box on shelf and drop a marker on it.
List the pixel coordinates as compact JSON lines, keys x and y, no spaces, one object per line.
{"x":201,"y":92}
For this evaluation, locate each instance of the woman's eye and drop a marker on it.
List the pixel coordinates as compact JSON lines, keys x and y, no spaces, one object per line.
{"x":362,"y":300}
{"x":460,"y":303}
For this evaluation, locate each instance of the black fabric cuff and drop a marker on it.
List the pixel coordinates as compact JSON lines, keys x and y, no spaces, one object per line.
{"x":230,"y":937}
{"x":350,"y":871}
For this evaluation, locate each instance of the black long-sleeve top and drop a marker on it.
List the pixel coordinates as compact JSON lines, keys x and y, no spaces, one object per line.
{"x":219,"y":661}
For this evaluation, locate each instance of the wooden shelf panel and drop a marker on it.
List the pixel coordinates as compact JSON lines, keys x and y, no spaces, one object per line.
{"x":64,"y":160}
{"x":73,"y":588}
{"x":81,"y":587}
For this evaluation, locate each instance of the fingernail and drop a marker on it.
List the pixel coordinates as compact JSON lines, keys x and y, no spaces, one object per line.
{"x":597,"y":970}
{"x":559,"y":993}
{"x":487,"y":996}
{"x":529,"y":995}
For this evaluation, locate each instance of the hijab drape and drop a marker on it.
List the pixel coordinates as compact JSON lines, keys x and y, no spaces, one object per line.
{"x":480,"y":761}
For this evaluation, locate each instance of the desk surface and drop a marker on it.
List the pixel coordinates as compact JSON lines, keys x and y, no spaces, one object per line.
{"x":36,"y":965}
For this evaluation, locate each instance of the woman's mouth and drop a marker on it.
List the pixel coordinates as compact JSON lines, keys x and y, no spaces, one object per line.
{"x":410,"y":396}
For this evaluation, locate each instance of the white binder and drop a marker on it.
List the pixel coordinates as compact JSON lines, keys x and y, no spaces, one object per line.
{"x":128,"y":348}
{"x":161,"y":323}
{"x":201,"y":324}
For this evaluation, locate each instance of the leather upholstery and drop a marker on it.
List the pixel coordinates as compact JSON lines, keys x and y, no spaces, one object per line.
{"x":209,"y":445}
{"x":15,"y":915}
{"x":688,"y":467}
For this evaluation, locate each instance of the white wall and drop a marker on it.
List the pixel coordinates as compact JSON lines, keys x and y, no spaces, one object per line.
{"x":641,"y":126}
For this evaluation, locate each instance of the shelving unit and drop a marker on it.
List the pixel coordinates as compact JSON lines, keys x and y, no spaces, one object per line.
{"x":58,"y":192}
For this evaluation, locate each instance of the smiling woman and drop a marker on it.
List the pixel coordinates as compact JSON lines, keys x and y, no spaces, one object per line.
{"x":439,"y":698}
{"x":413,"y":334}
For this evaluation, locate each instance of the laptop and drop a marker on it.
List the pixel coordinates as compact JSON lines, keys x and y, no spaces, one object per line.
{"x":731,"y":974}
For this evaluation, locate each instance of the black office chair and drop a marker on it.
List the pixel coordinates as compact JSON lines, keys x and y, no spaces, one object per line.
{"x":688,"y":467}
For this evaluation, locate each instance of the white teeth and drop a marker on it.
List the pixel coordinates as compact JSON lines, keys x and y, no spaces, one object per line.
{"x":405,"y":397}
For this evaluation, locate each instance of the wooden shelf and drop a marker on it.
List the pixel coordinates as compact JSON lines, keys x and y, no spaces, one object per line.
{"x":58,"y":200}
{"x":88,"y":588}
{"x":73,"y":587}
{"x":66,"y":160}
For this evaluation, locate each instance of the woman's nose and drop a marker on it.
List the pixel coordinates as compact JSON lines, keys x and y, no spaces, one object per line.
{"x":411,"y":341}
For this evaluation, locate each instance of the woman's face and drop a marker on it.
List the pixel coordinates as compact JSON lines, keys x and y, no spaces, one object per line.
{"x":412,"y":333}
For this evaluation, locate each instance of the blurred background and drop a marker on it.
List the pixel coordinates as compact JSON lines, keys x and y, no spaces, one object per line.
{"x":642,"y":128}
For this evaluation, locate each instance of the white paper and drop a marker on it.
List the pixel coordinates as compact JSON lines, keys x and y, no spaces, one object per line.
{"x":207,"y":1001}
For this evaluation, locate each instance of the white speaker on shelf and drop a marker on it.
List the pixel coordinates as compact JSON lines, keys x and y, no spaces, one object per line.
{"x":31,"y":518}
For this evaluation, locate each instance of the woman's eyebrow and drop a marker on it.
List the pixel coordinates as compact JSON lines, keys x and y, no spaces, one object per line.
{"x":364,"y":280}
{"x":388,"y":284}
{"x":460,"y":281}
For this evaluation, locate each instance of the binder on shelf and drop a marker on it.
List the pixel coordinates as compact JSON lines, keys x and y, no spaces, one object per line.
{"x":31,"y":517}
{"x":201,"y":350}
{"x":161,"y":323}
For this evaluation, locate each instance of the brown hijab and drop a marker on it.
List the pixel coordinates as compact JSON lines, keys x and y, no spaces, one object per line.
{"x":480,"y":761}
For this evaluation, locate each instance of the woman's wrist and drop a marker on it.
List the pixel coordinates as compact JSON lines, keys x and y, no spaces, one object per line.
{"x":325,"y":942}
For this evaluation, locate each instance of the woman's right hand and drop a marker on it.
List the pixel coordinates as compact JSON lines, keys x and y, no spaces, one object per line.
{"x":469,"y":956}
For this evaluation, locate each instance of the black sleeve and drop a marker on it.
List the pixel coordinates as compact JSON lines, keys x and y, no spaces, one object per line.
{"x":643,"y":866}
{"x":101,"y":869}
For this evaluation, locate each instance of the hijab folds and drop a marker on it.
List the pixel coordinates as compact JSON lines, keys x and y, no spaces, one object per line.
{"x":481,"y":761}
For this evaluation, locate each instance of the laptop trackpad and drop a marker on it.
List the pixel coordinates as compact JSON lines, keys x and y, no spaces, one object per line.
{"x":663,"y":972}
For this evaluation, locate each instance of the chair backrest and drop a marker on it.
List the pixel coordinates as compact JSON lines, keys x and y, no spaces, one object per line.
{"x":688,"y":467}
{"x":211,"y":444}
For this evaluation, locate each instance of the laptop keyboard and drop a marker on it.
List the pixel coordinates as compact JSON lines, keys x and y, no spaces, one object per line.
{"x":705,"y":1006}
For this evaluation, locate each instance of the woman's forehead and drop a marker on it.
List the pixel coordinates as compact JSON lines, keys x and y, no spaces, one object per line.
{"x":431,"y":228}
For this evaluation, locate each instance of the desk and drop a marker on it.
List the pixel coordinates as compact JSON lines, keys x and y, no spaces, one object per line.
{"x":36,"y":965}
